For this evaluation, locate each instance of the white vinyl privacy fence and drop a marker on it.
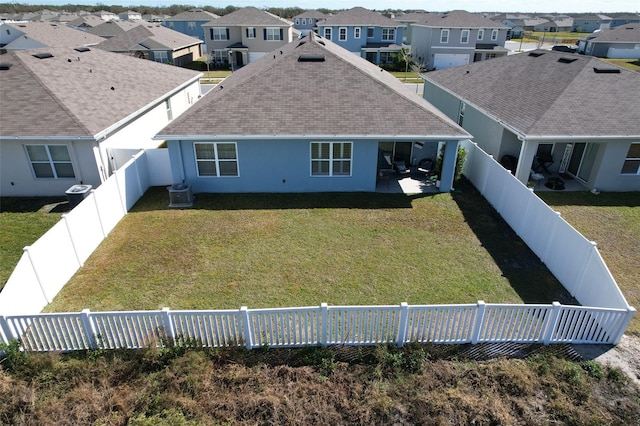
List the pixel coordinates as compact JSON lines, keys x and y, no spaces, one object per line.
{"x":323,"y":325}
{"x":49,"y":263}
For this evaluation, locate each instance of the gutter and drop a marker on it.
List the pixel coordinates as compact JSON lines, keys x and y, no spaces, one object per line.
{"x":407,"y":138}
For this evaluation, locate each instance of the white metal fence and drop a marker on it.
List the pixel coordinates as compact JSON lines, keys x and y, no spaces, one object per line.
{"x":323,"y":325}
{"x":49,"y":263}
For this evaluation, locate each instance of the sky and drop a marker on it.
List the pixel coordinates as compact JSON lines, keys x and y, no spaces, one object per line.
{"x":528,"y":6}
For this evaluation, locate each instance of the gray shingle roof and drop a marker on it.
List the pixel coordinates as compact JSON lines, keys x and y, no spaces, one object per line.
{"x":359,"y":16}
{"x":279,"y":95}
{"x":249,"y":16}
{"x":66,"y":97}
{"x":628,"y":33}
{"x":55,"y":35}
{"x":540,"y":96}
{"x":316,"y":14}
{"x":457,"y":19}
{"x":113,"y":28}
{"x":195,"y":15}
{"x":150,"y":36}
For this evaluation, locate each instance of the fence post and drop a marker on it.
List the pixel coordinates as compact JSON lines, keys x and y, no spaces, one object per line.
{"x":73,"y":243}
{"x":248,"y":332}
{"x":583,"y":270}
{"x":35,"y":271}
{"x":89,"y":328}
{"x":404,"y":324}
{"x":323,"y":323}
{"x":525,"y":212}
{"x":487,"y":170}
{"x":480,"y":313}
{"x":95,"y":201}
{"x":137,"y":166}
{"x":550,"y":235}
{"x":123,"y":200}
{"x":553,"y":322}
{"x":6,"y":330}
{"x":625,"y":323}
{"x":169,"y":329}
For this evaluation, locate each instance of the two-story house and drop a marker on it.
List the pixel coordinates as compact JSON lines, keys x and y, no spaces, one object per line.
{"x":444,"y":40}
{"x":307,"y":21}
{"x":364,"y":32}
{"x":130,"y":15}
{"x":190,"y":22}
{"x":590,"y":22}
{"x":243,"y":36}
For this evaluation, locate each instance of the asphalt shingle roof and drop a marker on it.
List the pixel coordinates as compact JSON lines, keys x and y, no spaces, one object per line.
{"x":279,"y":95}
{"x":316,"y":14}
{"x":54,"y":35}
{"x":457,"y":19}
{"x":78,"y":94}
{"x":627,"y":33}
{"x":359,"y":16}
{"x":195,"y":15}
{"x":148,"y":36}
{"x":113,"y":28}
{"x":538,"y":95}
{"x":249,"y":16}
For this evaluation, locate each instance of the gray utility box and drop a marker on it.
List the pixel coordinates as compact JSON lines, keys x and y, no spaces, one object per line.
{"x":77,"y":193}
{"x":180,"y":195}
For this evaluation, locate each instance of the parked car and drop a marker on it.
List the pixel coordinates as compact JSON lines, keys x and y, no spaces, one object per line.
{"x":567,"y":49}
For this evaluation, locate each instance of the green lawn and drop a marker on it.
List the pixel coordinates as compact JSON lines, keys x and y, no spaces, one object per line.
{"x":277,"y":250}
{"x":631,"y":64}
{"x":613,"y":221}
{"x":22,"y":222}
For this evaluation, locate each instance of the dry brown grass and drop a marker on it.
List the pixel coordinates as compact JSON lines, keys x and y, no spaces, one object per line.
{"x":310,"y":386}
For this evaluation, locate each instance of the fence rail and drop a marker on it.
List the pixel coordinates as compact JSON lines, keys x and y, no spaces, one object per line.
{"x":315,"y":326}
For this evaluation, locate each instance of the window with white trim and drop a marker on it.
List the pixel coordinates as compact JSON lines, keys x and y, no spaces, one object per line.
{"x":480,"y":33}
{"x":219,"y":56}
{"x":461,"y":113}
{"x":464,"y":36}
{"x":370,"y":32}
{"x":356,"y":32}
{"x":251,"y":32}
{"x":494,"y":35}
{"x":304,"y":21}
{"x":161,"y":56}
{"x":342,"y":33}
{"x":50,"y":161}
{"x":331,"y":158}
{"x":191,"y":25}
{"x":388,"y":34}
{"x":216,"y":159}
{"x":273,"y":34}
{"x":297,"y":21}
{"x":218,"y":33}
{"x":327,"y":33}
{"x":631,"y":164}
{"x":444,"y":36}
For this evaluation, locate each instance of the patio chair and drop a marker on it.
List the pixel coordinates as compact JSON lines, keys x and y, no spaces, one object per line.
{"x":400,"y":167}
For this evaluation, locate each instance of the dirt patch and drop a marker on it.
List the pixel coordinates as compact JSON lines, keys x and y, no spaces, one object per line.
{"x":625,"y":356}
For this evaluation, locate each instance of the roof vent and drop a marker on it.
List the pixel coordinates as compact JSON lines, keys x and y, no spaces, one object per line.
{"x":301,"y":43}
{"x":536,"y":54}
{"x":310,"y":57}
{"x":5,"y":66}
{"x":82,"y":49}
{"x":43,"y":55}
{"x":606,"y":70}
{"x":321,"y":42}
{"x":567,"y":60}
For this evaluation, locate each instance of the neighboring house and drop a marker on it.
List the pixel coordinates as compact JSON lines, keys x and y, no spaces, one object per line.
{"x":619,"y":42}
{"x":65,"y":110}
{"x":190,"y":22}
{"x":33,"y":35}
{"x":106,"y":15}
{"x":513,"y":21}
{"x":86,"y":21}
{"x":348,"y":121}
{"x":112,"y":28}
{"x":130,"y":15}
{"x":307,"y":21}
{"x":244,"y":36}
{"x":368,"y":34}
{"x":154,"y":42}
{"x":590,"y":22}
{"x":406,"y":19}
{"x":444,"y":40}
{"x":577,"y":112}
{"x":623,"y":19}
{"x":556,"y":25}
